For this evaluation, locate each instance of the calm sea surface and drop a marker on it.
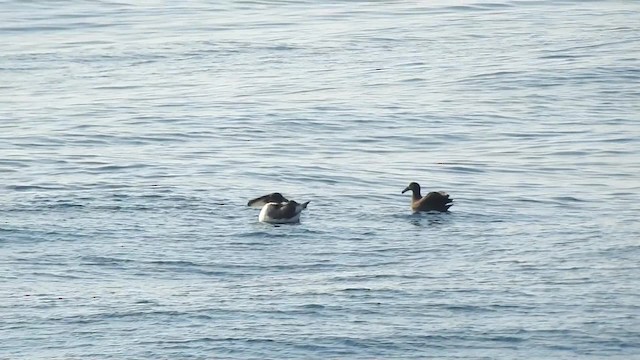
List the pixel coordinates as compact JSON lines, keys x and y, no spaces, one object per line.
{"x":132,"y":134}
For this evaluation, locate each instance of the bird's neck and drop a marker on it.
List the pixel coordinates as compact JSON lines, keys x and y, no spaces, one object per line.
{"x":416,"y":195}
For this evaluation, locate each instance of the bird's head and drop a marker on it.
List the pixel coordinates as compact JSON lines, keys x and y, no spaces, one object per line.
{"x":413,"y":187}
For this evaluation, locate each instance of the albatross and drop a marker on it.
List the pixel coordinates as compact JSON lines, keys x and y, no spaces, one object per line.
{"x":282,"y":213}
{"x":433,"y":201}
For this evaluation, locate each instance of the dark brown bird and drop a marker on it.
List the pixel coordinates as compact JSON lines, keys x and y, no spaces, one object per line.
{"x":275,"y":197}
{"x":433,"y":201}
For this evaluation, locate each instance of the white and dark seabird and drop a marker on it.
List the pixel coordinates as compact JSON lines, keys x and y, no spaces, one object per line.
{"x":433,"y":201}
{"x":282,"y":213}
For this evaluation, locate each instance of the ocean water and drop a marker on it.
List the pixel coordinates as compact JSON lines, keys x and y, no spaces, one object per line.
{"x":132,"y":134}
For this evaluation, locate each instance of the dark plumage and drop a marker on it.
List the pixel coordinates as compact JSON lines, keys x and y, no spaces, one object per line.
{"x":275,"y":197}
{"x":433,"y":201}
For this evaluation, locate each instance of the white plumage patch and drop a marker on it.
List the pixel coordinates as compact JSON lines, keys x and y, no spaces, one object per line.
{"x":268,"y":211}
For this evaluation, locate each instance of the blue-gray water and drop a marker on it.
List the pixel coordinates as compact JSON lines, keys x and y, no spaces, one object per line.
{"x":133,"y":133}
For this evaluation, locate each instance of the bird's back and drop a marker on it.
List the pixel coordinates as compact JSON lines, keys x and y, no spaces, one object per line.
{"x":435,"y":200}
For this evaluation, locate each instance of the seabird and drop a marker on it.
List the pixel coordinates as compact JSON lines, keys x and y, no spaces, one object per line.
{"x":435,"y":200}
{"x":282,"y":213}
{"x":261,"y":201}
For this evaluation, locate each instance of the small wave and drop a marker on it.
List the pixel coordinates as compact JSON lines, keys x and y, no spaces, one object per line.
{"x":568,"y":199}
{"x":35,"y":187}
{"x":465,"y":169}
{"x":102,"y":260}
{"x":115,"y":168}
